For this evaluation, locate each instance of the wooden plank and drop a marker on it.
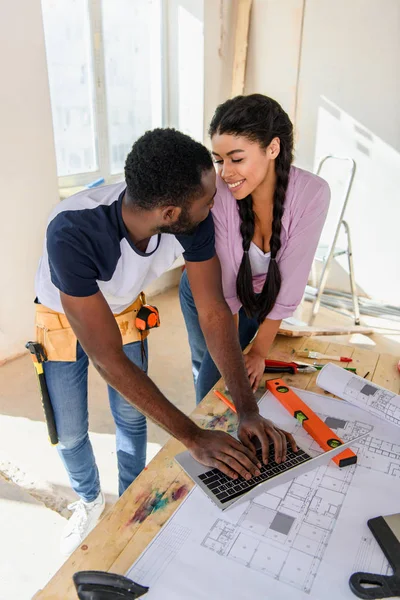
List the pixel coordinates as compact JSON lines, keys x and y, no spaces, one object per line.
{"x":114,"y":531}
{"x":309,"y":330}
{"x":139,"y":514}
{"x":283,"y":347}
{"x":152,"y":525}
{"x":314,"y":346}
{"x":333,"y":350}
{"x":241,"y":43}
{"x":340,"y":350}
{"x":161,"y":487}
{"x":386,"y":373}
{"x":365,"y":362}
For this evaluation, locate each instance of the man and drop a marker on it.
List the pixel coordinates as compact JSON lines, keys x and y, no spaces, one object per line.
{"x":103,"y":246}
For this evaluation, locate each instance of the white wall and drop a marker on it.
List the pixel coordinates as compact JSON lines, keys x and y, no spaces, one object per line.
{"x":274,"y":50}
{"x":219,"y":22}
{"x":348,"y":101}
{"x":28,"y":182}
{"x":349,"y":98}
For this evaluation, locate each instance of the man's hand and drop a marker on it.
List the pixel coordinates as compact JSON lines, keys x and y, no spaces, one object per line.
{"x":96,"y":328}
{"x":220,"y":450}
{"x":255,"y":426}
{"x":255,"y":365}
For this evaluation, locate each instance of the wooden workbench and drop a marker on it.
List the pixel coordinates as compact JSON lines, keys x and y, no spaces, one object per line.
{"x":139,"y":514}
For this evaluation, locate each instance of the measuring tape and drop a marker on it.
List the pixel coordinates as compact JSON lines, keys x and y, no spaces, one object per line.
{"x":148,"y":317}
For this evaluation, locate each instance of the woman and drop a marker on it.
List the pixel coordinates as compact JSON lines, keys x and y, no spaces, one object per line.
{"x":268,"y":218}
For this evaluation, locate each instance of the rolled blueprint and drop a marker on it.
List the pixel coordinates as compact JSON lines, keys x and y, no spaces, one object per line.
{"x":362,"y":393}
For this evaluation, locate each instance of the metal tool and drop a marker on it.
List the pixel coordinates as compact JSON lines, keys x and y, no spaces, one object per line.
{"x":278,"y":366}
{"x":327,"y":253}
{"x":386,"y":531}
{"x":100,"y":585}
{"x":39,"y":357}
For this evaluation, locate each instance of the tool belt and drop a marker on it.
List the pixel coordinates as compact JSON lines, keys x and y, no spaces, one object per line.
{"x":55,"y":334}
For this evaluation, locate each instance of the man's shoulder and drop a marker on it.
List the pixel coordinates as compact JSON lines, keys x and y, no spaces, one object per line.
{"x":86,"y":227}
{"x":88,"y":200}
{"x":89,"y":212}
{"x":83,"y":240}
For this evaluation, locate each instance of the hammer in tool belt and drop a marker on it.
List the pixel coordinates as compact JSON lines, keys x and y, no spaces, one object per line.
{"x":39,"y":357}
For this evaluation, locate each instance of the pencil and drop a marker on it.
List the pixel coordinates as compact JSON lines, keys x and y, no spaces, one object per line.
{"x":225,"y":400}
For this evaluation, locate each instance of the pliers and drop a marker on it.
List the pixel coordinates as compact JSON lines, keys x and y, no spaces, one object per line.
{"x":278,"y":366}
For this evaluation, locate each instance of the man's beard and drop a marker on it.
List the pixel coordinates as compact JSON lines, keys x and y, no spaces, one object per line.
{"x":184,"y":225}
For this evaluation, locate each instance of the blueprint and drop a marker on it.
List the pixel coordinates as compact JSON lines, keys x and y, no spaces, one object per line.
{"x":362,"y":393}
{"x":296,"y":540}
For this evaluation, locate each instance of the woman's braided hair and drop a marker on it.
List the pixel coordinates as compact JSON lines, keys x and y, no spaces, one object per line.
{"x":259,"y":119}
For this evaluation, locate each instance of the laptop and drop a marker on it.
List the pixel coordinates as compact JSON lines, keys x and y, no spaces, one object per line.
{"x":225,"y":492}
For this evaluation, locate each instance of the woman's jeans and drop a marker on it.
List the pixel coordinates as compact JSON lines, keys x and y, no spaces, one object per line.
{"x":68,"y":389}
{"x":205,"y":372}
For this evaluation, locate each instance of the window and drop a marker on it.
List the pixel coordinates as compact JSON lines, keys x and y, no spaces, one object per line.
{"x":106,"y":82}
{"x":132,"y":57}
{"x":116,"y":69}
{"x":186,"y":65}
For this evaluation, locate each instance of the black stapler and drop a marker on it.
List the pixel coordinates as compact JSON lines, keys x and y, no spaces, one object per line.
{"x":99,"y":585}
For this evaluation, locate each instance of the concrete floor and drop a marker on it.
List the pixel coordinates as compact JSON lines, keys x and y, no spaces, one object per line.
{"x":34,"y":489}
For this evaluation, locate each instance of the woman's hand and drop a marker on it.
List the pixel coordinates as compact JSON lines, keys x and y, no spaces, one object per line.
{"x":255,"y":359}
{"x":255,"y":365}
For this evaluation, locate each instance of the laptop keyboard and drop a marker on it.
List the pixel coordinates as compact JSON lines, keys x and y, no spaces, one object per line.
{"x":225,"y":489}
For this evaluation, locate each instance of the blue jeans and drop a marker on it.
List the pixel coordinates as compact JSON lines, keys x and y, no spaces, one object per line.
{"x":205,"y":372}
{"x":67,"y":383}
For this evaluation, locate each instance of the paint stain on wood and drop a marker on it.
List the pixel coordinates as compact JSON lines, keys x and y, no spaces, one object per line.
{"x":227,"y":421}
{"x":155,"y":502}
{"x":180,"y":493}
